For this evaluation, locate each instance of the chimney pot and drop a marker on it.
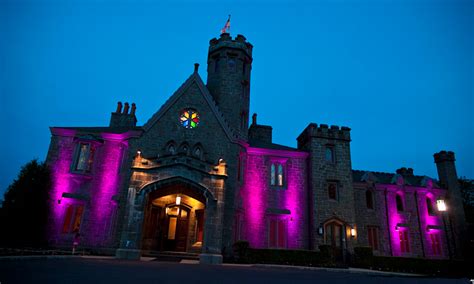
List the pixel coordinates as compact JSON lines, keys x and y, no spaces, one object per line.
{"x":196,"y":67}
{"x":119,"y":107}
{"x":134,"y":108}
{"x":125,"y":109}
{"x":254,"y":119}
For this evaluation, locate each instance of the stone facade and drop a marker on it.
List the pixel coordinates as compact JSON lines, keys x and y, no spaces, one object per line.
{"x":196,"y":178}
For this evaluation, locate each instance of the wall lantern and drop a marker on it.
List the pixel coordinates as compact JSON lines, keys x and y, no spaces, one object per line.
{"x":441,"y":205}
{"x":139,"y":153}
{"x":320,"y":229}
{"x":353,"y":232}
{"x":178,"y":200}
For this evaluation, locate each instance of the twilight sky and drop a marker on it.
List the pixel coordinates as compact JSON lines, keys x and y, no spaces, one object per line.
{"x":398,"y":72}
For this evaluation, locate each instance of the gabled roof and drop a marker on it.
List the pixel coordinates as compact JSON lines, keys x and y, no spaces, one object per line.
{"x":194,"y":78}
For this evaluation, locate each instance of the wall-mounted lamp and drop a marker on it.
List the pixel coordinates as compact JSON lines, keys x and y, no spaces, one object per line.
{"x":320,"y":229}
{"x":441,"y":204}
{"x":353,"y":232}
{"x":139,"y":153}
{"x":178,"y":200}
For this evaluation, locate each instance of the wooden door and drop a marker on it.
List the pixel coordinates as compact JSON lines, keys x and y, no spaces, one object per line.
{"x":176,"y":229}
{"x":334,"y":235}
{"x":182,"y":229}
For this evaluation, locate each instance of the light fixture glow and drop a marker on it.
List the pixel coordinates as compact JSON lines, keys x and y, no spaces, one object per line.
{"x":139,"y":152}
{"x":441,"y":205}
{"x":353,"y":232}
{"x":178,"y":200}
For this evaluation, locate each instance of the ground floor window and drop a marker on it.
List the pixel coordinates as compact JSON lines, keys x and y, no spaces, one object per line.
{"x":72,"y":219}
{"x":404,"y":241}
{"x":277,"y":233}
{"x":373,"y":237}
{"x":435,"y":243}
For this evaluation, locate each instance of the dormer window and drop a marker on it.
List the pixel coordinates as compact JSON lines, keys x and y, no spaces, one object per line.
{"x":84,"y":157}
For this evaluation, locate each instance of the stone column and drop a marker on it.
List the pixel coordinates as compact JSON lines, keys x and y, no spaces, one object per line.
{"x":131,"y":234}
{"x":212,"y":242}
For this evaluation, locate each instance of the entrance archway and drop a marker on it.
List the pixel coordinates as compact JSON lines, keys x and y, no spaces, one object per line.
{"x":174,"y":219}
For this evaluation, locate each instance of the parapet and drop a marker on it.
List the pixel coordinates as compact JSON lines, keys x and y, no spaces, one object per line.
{"x":324,"y":131}
{"x":226,"y":41}
{"x":444,"y":156}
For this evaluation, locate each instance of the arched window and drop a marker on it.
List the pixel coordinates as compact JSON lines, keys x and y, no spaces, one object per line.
{"x":429,"y":206}
{"x":399,"y":202}
{"x":329,"y":154}
{"x":280,"y":175}
{"x":369,"y":199}
{"x":184,"y":148}
{"x":272,"y":174}
{"x":171,"y":149}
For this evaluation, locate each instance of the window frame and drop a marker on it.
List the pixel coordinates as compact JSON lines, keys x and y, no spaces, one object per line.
{"x":336,"y":191}
{"x":399,"y":203}
{"x":275,"y":165}
{"x":331,"y":148}
{"x":72,"y":218}
{"x":404,"y":237}
{"x":369,"y":198}
{"x":89,"y":161}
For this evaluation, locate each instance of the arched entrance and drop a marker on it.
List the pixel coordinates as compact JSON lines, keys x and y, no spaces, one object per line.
{"x":174,"y":218}
{"x":335,"y":236}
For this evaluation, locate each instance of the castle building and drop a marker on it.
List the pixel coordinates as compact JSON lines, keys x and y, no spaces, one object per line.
{"x":196,"y":178}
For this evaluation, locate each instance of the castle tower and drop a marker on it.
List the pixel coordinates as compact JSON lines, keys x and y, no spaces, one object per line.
{"x":228,"y":79}
{"x":449,"y":179}
{"x":330,"y":184}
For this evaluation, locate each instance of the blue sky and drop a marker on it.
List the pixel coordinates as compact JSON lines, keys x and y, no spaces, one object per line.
{"x":399,"y":73}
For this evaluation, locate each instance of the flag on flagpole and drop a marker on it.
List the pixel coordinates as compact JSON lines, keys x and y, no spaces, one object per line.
{"x":226,"y":27}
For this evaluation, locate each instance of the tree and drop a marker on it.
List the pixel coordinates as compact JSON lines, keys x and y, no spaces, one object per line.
{"x":25,"y":210}
{"x":467,"y":191}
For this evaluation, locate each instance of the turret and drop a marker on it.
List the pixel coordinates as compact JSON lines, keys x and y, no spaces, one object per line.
{"x":228,"y":80}
{"x":448,"y":179}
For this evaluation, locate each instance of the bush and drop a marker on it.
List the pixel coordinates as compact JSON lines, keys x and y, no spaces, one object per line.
{"x":241,"y":251}
{"x":363,"y":256}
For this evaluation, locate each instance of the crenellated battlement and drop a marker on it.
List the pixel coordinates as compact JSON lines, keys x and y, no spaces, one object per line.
{"x":226,"y":41}
{"x":324,"y":131}
{"x":444,"y":156}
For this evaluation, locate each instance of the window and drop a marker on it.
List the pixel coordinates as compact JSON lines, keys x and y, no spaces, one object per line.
{"x":373,"y":237}
{"x":277,"y":174}
{"x":231,"y":63}
{"x":216,"y":64}
{"x":332,"y":190}
{"x":72,"y":219}
{"x":404,"y":243}
{"x":277,"y":233}
{"x":189,"y":118}
{"x":85,"y":157}
{"x":399,"y":202}
{"x":329,"y":154}
{"x":171,"y":149}
{"x":429,"y":206}
{"x":435,"y":243}
{"x":369,"y":199}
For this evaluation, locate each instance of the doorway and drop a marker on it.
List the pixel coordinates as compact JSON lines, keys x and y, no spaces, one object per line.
{"x":176,"y":228}
{"x":334,"y":235}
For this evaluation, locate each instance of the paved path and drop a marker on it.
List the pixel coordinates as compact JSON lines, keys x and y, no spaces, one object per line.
{"x":90,"y":270}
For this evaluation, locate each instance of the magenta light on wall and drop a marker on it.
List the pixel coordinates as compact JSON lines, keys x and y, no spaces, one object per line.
{"x":290,"y":198}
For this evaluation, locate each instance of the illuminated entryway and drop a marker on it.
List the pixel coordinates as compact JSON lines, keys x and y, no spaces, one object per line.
{"x":174,"y":222}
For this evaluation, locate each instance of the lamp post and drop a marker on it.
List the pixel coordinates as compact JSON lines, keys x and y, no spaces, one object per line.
{"x":441,"y":204}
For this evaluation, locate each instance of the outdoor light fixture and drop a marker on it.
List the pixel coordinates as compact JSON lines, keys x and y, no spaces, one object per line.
{"x":353,"y":232}
{"x":320,"y":229}
{"x":178,"y":200}
{"x":139,"y":152}
{"x":441,"y":205}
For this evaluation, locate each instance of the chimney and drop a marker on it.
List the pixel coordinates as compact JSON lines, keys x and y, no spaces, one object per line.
{"x":123,"y":119}
{"x":262,"y":133}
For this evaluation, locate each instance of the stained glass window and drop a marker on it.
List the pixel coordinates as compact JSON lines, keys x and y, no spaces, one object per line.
{"x":272,"y":174}
{"x":189,"y":118}
{"x":280,"y":175}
